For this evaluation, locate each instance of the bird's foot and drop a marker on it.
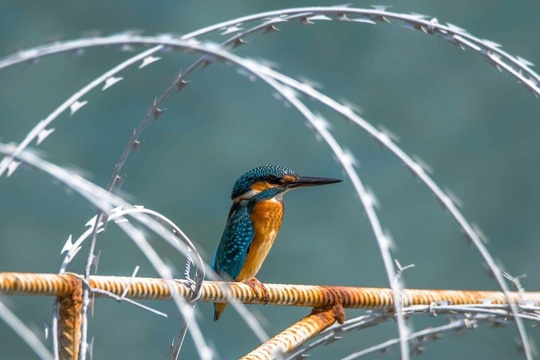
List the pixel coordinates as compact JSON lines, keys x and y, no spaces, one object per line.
{"x":256,"y":285}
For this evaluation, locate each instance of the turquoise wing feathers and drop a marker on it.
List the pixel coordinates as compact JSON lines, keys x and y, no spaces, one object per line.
{"x":237,"y":237}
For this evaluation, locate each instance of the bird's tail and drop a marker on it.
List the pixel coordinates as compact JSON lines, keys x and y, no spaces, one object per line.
{"x":218,"y":310}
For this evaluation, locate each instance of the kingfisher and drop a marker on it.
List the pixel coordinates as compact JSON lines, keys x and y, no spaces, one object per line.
{"x":253,"y":223}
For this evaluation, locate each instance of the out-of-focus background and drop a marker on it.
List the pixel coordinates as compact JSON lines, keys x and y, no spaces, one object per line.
{"x":478,"y":129}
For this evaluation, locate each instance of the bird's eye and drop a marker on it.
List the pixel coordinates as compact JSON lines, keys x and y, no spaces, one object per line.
{"x":272,"y":179}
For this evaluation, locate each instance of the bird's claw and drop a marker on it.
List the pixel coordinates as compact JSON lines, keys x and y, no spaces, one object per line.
{"x":256,"y":285}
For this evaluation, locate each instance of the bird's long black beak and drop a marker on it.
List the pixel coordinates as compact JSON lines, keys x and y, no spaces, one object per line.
{"x":303,"y":181}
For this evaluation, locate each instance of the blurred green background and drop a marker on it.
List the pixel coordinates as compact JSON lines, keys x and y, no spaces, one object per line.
{"x":478,"y":129}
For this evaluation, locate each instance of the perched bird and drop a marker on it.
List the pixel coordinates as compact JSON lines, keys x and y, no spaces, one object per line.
{"x":254,"y":221}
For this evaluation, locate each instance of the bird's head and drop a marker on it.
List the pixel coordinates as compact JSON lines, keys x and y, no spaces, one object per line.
{"x":273,"y":180}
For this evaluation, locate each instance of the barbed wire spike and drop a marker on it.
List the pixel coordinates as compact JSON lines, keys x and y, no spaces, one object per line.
{"x":371,"y":199}
{"x":479,"y":233}
{"x":208,"y":61}
{"x":423,"y":165}
{"x":516,"y":281}
{"x":76,"y":106}
{"x":149,"y":60}
{"x":117,"y":209}
{"x":491,"y":44}
{"x":363,"y":19}
{"x":342,"y":17}
{"x":238,"y":42}
{"x":388,"y":240}
{"x":43,"y":134}
{"x":110,"y":82}
{"x":523,"y":62}
{"x":468,"y":43}
{"x":231,"y":29}
{"x":270,"y":29}
{"x":496,"y":59}
{"x":136,"y":145}
{"x":133,"y":275}
{"x":68,"y":245}
{"x":320,"y":17}
{"x":381,"y":7}
{"x":455,"y":28}
{"x":389,"y":134}
{"x":157,"y":112}
{"x":379,"y":17}
{"x":402,"y":268}
{"x":92,"y":222}
{"x":116,"y":297}
{"x":182,"y":84}
{"x":349,"y":158}
{"x":12,"y":167}
{"x":453,"y":197}
{"x":118,"y":181}
{"x":306,"y":21}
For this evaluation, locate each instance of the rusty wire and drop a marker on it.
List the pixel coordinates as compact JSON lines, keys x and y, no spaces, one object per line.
{"x":70,"y":311}
{"x":278,"y":294}
{"x":297,"y":334}
{"x":326,"y":300}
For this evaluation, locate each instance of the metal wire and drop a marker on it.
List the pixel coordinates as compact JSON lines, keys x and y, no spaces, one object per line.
{"x":69,"y":336}
{"x":278,"y":294}
{"x":297,"y":334}
{"x":328,"y":301}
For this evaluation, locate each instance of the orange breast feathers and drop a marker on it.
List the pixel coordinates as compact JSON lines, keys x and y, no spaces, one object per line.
{"x":266,"y":218}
